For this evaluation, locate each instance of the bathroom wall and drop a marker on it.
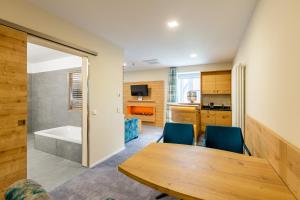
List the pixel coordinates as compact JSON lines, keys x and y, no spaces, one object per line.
{"x":48,"y":101}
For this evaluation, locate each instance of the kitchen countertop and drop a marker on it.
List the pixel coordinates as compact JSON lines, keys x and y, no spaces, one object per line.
{"x":217,"y":108}
{"x":185,"y":104}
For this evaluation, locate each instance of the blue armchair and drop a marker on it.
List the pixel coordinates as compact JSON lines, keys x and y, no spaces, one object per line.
{"x":178,"y":133}
{"x":225,"y":138}
{"x":132,"y":129}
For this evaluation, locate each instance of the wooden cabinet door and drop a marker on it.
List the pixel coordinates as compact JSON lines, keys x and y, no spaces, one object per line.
{"x":208,"y":83}
{"x":223,"y":82}
{"x":13,"y":107}
{"x":208,"y":117}
{"x":223,"y":118}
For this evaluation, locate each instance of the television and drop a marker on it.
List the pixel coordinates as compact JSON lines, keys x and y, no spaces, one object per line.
{"x":139,"y":90}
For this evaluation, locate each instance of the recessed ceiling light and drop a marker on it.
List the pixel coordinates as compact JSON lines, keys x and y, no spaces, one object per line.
{"x":193,"y":55}
{"x":124,"y":64}
{"x":173,"y":24}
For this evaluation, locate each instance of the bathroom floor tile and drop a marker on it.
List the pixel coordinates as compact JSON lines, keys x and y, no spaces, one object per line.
{"x":50,"y":170}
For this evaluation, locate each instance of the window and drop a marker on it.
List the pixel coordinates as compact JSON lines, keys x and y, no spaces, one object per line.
{"x":188,"y":82}
{"x":75,"y":91}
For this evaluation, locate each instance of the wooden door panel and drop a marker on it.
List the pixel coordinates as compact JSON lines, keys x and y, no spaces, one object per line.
{"x":13,"y":106}
{"x":208,"y":83}
{"x":223,"y":118}
{"x":223,"y":82}
{"x":208,"y":117}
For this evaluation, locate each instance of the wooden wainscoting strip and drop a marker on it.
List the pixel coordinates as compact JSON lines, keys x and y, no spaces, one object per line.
{"x":282,"y":155}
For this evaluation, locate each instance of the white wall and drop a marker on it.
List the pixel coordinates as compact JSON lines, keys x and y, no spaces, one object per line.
{"x":55,"y":64}
{"x":106,"y":75}
{"x":271,"y":52}
{"x":162,"y":74}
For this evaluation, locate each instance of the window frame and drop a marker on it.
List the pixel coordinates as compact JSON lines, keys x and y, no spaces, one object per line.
{"x":188,"y":75}
{"x":70,"y":91}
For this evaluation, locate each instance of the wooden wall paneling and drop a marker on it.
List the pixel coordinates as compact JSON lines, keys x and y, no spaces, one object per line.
{"x":283,"y":156}
{"x":156,"y":99}
{"x":13,"y":107}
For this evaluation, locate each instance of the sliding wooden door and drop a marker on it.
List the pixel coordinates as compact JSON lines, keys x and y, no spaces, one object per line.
{"x":13,"y":106}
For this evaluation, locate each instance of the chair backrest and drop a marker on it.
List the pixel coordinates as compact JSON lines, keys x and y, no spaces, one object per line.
{"x":224,"y":138}
{"x":179,"y":133}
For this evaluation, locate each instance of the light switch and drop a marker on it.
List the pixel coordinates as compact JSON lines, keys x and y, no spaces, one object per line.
{"x":94,"y":112}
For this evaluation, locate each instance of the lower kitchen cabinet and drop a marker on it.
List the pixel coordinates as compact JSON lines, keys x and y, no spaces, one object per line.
{"x":215,"y":117}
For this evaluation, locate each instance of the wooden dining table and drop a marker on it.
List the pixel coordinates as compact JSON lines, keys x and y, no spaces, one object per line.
{"x":193,"y":172}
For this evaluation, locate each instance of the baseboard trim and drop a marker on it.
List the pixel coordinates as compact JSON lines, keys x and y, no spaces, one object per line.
{"x":107,"y":157}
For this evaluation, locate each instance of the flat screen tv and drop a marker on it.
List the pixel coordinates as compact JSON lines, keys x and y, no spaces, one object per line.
{"x":139,"y":90}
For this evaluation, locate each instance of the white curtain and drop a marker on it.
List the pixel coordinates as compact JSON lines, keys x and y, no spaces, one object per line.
{"x":238,"y":96}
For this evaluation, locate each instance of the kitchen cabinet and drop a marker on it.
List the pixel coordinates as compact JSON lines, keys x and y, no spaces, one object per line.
{"x":215,"y":117}
{"x":208,"y":117}
{"x":208,"y":82}
{"x":218,"y":82}
{"x":223,"y":118}
{"x":223,"y":82}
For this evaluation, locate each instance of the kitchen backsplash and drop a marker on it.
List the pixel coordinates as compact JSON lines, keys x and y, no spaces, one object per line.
{"x":217,"y":99}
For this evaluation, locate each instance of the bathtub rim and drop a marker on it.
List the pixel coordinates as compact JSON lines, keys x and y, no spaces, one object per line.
{"x":43,"y":133}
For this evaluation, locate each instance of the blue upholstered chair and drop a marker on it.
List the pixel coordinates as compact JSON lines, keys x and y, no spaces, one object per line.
{"x":225,"y":138}
{"x":178,"y":133}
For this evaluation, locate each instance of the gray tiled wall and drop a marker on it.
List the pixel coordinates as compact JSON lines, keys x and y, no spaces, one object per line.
{"x":48,"y":101}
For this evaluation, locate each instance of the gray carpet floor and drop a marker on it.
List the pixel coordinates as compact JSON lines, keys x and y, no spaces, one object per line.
{"x":105,"y":181}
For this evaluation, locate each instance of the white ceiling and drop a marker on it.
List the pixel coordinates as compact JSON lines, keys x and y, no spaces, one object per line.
{"x":38,"y":54}
{"x":210,"y":28}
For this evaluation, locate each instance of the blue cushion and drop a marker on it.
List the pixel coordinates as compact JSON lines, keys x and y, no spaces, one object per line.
{"x":178,"y":133}
{"x":132,"y":130}
{"x":26,"y":189}
{"x":224,"y":138}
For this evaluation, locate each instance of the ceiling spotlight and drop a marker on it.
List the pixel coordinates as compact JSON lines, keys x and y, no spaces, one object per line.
{"x":173,"y":24}
{"x":193,"y":55}
{"x":124,"y":64}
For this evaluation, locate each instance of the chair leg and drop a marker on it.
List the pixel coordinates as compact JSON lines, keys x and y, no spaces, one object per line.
{"x":162,"y":195}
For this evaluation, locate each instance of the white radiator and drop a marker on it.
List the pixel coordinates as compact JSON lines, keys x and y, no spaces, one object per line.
{"x":238,"y":96}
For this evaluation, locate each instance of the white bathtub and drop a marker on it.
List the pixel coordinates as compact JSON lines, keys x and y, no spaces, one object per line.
{"x":62,"y":141}
{"x":66,"y":133}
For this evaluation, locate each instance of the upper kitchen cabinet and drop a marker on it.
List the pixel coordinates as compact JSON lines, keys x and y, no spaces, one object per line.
{"x":216,"y":82}
{"x":208,"y":82}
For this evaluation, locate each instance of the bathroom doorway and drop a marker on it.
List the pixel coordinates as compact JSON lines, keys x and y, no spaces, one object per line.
{"x":57,"y":113}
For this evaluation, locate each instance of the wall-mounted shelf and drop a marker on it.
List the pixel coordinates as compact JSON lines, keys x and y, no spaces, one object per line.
{"x":143,"y":101}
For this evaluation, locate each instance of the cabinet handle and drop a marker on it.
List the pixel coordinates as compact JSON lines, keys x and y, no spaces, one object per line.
{"x":21,"y":122}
